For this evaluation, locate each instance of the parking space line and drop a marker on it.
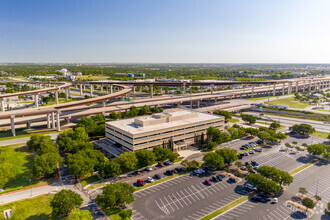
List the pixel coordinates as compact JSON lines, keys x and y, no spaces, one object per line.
{"x":186,"y":197}
{"x":168,"y":204}
{"x":182,"y":199}
{"x":177,"y":200}
{"x":213,"y":189}
{"x":198,"y":191}
{"x":191,"y":194}
{"x":271,"y":213}
{"x":173,"y":202}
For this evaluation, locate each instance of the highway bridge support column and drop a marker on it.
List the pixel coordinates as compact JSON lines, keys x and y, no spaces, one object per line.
{"x":101,"y":88}
{"x":283,"y":88}
{"x":151,"y":91}
{"x":310,"y":85}
{"x":2,"y":103}
{"x":58,"y":120}
{"x":92,"y":88}
{"x":289,"y":88}
{"x":103,"y":103}
{"x":198,"y":103}
{"x":184,"y":88}
{"x":12,"y":122}
{"x":36,"y":100}
{"x":274,"y":90}
{"x":48,"y":120}
{"x":53,"y":120}
{"x":252,"y":91}
{"x":297,"y":86}
{"x":56,"y":96}
{"x":111,"y":89}
{"x":304,"y":85}
{"x":212,"y":88}
{"x":81,"y":92}
{"x":67,"y":93}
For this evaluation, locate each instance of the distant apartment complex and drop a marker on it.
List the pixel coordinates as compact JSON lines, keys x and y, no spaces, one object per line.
{"x":146,"y":132}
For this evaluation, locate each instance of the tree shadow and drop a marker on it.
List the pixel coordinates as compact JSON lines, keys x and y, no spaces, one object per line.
{"x":298,"y":215}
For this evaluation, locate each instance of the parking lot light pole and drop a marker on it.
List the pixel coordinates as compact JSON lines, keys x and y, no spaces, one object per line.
{"x":30,"y":186}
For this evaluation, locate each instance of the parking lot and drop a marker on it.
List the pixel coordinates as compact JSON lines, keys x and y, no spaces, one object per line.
{"x":188,"y":197}
{"x":315,"y":179}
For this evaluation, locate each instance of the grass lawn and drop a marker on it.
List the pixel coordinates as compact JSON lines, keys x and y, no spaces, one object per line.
{"x":89,"y":180}
{"x":90,"y":77}
{"x":291,"y":102}
{"x":33,"y":209}
{"x":233,"y":120}
{"x":293,"y":172}
{"x":21,"y":160}
{"x":321,"y":134}
{"x":7,"y":135}
{"x":261,"y":98}
{"x":60,"y":100}
{"x":225,"y":208}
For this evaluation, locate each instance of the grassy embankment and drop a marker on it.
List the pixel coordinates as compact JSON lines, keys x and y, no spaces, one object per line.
{"x":21,"y":160}
{"x":290,"y":101}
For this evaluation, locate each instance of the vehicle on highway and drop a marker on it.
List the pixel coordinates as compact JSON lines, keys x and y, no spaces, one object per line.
{"x":219,"y":177}
{"x":157,"y":176}
{"x":251,"y":152}
{"x":141,"y":182}
{"x":148,"y":169}
{"x":254,"y":163}
{"x":231,"y":180}
{"x":150,"y":180}
{"x":160,"y":164}
{"x":249,"y":186}
{"x":208,"y":182}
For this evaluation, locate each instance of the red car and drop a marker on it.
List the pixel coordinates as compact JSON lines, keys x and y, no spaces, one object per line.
{"x":208,"y":182}
{"x":141,"y":182}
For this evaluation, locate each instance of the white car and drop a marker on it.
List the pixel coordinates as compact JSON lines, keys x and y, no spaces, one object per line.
{"x":150,"y":179}
{"x":250,"y":187}
{"x":275,"y":200}
{"x":148,"y":168}
{"x":251,"y":152}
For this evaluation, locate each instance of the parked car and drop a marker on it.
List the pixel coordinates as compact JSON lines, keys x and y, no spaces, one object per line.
{"x":175,"y":171}
{"x":148,"y":169}
{"x":141,"y":182}
{"x":249,"y":186}
{"x":169,"y":172}
{"x":251,"y":152}
{"x":247,"y":163}
{"x":258,"y":149}
{"x":246,"y":154}
{"x":167,"y":162}
{"x":254,"y":163}
{"x":160,"y":164}
{"x":136,"y":172}
{"x":231,"y":180}
{"x":157,"y":176}
{"x":275,"y":200}
{"x":149,"y":179}
{"x":215,"y":179}
{"x":239,"y":156}
{"x":243,"y":167}
{"x":255,"y":167}
{"x":208,"y":182}
{"x":219,"y":177}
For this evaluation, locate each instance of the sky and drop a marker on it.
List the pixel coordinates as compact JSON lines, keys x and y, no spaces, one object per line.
{"x":165,"y":31}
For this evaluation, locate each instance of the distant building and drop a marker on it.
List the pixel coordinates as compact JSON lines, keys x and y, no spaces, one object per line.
{"x":146,"y":132}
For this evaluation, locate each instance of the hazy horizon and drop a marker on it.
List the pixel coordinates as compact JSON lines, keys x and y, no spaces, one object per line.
{"x":162,"y":32}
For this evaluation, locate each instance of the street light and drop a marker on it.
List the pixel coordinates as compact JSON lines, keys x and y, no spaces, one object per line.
{"x":30,"y":186}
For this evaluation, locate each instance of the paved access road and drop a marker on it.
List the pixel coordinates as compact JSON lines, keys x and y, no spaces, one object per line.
{"x":187,"y":197}
{"x":315,"y":179}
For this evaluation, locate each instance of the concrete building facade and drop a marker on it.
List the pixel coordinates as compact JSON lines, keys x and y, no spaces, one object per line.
{"x":146,"y":132}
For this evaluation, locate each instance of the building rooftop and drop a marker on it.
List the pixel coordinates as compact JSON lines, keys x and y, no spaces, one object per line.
{"x":159,"y":121}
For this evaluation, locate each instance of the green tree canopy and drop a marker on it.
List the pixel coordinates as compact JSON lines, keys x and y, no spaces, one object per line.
{"x":115,"y":195}
{"x":213,"y":159}
{"x":46,"y":164}
{"x":249,"y":118}
{"x":65,"y":201}
{"x":128,"y":161}
{"x":78,"y":214}
{"x":309,"y":203}
{"x":304,"y":129}
{"x":274,"y":126}
{"x":268,"y":186}
{"x":145,"y":157}
{"x":316,"y":149}
{"x":229,"y":155}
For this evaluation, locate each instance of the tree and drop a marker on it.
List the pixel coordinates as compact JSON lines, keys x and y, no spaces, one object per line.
{"x":170,"y":144}
{"x":73,"y":140}
{"x":308,"y":202}
{"x":42,"y":144}
{"x":126,"y":214}
{"x":46,"y":164}
{"x":302,"y":190}
{"x":318,"y":198}
{"x":226,"y":114}
{"x":238,"y":174}
{"x":268,"y":186}
{"x":248,"y":118}
{"x":252,"y":131}
{"x":238,"y":164}
{"x":84,"y":162}
{"x":65,"y":201}
{"x":202,"y":139}
{"x":327,"y":210}
{"x":211,"y":145}
{"x":110,"y":168}
{"x":274,"y":126}
{"x":78,"y":214}
{"x":304,"y":129}
{"x":115,"y":195}
{"x":128,"y":161}
{"x":145,"y":157}
{"x":279,"y":176}
{"x":88,"y":124}
{"x":316,"y":149}
{"x":281,"y":136}
{"x":213,"y":159}
{"x":6,"y":171}
{"x":163,"y":154}
{"x":144,"y":110}
{"x":229,"y":155}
